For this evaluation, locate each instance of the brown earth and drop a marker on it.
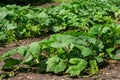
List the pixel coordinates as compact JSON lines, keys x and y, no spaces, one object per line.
{"x":109,"y":72}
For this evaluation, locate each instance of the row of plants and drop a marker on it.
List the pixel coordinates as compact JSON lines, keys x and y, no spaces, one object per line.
{"x":89,"y":34}
{"x":74,"y":53}
{"x":18,"y":22}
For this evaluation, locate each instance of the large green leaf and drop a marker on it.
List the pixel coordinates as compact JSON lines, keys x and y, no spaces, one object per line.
{"x":92,"y":40}
{"x":79,"y":65}
{"x":59,"y":44}
{"x":95,"y":30}
{"x":73,"y":70}
{"x":80,"y":42}
{"x":63,"y":41}
{"x":85,"y":51}
{"x":55,"y":64}
{"x":34,"y":48}
{"x":10,"y":62}
{"x":3,"y":13}
{"x":22,"y":50}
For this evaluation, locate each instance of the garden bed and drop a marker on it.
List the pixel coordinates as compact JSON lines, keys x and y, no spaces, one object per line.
{"x":84,"y":39}
{"x":109,"y":71}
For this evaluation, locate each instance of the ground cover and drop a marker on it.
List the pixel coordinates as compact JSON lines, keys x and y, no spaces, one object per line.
{"x":108,"y":72}
{"x":86,"y":35}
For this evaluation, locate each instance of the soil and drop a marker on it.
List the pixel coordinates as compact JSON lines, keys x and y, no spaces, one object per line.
{"x":111,"y":70}
{"x":50,"y":4}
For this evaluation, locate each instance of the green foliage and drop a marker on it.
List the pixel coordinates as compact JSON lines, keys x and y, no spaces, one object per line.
{"x":18,"y":22}
{"x":10,"y":62}
{"x":8,"y":54}
{"x":93,"y":67}
{"x":92,"y":35}
{"x":55,"y":64}
{"x":77,"y":65}
{"x":85,"y":51}
{"x":73,"y":55}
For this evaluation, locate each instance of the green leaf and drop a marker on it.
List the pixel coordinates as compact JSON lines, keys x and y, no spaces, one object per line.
{"x":34,"y":48}
{"x":85,"y":51}
{"x":3,"y":13}
{"x":73,"y":70}
{"x":95,"y":30}
{"x":116,"y":56}
{"x":55,"y":64}
{"x":93,"y":67}
{"x":59,"y":44}
{"x":29,"y":60}
{"x":22,"y":50}
{"x":43,"y":66}
{"x":10,"y":26}
{"x":61,"y":50}
{"x":82,"y":64}
{"x":109,"y":51}
{"x":2,"y":35}
{"x":33,"y":53}
{"x":117,"y":41}
{"x":30,"y":16}
{"x":81,"y":42}
{"x":10,"y":62}
{"x":92,"y":40}
{"x":79,"y":65}
{"x":100,"y":45}
{"x":58,"y":28}
{"x":99,"y":59}
{"x":63,"y":41}
{"x":9,"y":53}
{"x":105,"y":30}
{"x":74,"y":60}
